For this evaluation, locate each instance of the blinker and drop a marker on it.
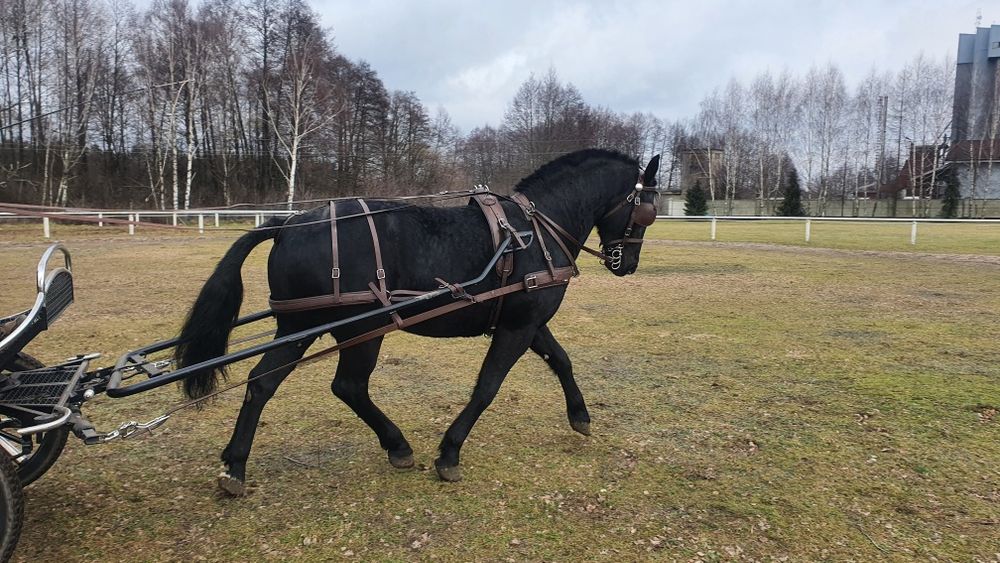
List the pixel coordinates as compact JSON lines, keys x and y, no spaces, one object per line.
{"x":644,"y":214}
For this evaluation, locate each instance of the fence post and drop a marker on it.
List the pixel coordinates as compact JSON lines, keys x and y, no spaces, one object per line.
{"x":45,"y":227}
{"x":257,"y":219}
{"x":713,"y":227}
{"x":216,"y":220}
{"x":131,"y":223}
{"x":201,"y":224}
{"x":99,"y":222}
{"x":913,"y":232}
{"x":808,"y":229}
{"x":175,"y":218}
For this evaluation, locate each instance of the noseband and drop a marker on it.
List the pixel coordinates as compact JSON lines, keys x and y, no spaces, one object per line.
{"x":643,"y":214}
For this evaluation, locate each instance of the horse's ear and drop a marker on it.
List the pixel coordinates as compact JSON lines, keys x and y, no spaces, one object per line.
{"x":649,"y":175}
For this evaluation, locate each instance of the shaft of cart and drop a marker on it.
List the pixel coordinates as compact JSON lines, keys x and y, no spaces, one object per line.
{"x":136,"y":360}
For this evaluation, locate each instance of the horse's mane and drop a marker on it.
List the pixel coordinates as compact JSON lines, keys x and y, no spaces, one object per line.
{"x":547,"y":171}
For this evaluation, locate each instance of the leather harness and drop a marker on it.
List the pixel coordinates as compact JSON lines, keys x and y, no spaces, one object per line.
{"x":377,"y":290}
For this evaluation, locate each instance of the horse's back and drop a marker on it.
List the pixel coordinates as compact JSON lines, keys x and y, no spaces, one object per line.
{"x":417,"y":244}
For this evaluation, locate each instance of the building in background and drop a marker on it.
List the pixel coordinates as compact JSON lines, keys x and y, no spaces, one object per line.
{"x":974,"y":114}
{"x":703,"y":166}
{"x":974,"y":155}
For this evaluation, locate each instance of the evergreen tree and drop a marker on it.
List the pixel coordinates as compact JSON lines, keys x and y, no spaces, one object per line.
{"x":696,"y":201}
{"x":952,"y":196}
{"x":791,"y":204}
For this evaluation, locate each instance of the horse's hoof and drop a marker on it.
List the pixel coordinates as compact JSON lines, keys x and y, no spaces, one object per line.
{"x":451,"y":474}
{"x":231,"y":485}
{"x":581,"y":426}
{"x":402,"y":462}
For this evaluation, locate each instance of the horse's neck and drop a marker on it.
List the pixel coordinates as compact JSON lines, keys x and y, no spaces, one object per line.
{"x":573,"y":205}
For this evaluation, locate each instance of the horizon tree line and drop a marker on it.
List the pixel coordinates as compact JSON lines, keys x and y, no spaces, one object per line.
{"x":190,"y":104}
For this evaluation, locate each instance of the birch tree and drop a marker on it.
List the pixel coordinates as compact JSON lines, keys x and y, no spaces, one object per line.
{"x":305,"y":102}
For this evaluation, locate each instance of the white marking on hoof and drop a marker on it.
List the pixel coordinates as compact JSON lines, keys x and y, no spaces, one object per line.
{"x":232,"y":487}
{"x":450,"y":474}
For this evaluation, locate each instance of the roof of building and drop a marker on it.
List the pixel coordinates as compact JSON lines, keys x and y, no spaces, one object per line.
{"x":985,"y":150}
{"x":919,"y":166}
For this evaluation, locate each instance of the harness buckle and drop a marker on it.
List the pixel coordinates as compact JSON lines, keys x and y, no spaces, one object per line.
{"x":380,"y":274}
{"x":336,"y":273}
{"x":531,"y":282}
{"x":530,"y":209}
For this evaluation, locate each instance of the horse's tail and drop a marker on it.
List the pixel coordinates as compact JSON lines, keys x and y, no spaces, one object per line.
{"x":206,"y":330}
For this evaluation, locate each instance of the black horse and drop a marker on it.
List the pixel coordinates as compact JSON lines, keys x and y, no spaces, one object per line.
{"x":577,"y":191}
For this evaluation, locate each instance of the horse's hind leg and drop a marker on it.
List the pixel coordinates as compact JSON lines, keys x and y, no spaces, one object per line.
{"x":505,"y":349}
{"x":351,"y":385}
{"x":259,"y":391}
{"x":545,"y":345}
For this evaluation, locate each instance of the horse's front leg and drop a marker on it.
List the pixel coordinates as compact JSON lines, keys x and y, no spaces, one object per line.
{"x":545,"y":345}
{"x":507,"y":346}
{"x":259,"y":391}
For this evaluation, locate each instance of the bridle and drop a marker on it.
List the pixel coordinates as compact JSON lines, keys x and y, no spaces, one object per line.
{"x":643,"y":213}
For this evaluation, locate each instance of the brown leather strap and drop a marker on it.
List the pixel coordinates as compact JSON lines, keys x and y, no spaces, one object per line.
{"x":321,"y":302}
{"x":486,"y":203}
{"x":379,"y":270}
{"x":385,"y":300}
{"x":531,"y":282}
{"x":568,"y":237}
{"x":335,"y":263}
{"x":526,"y":204}
{"x":541,"y":280}
{"x":531,"y":211}
{"x":541,"y":242}
{"x":562,"y":246}
{"x":349,"y":298}
{"x":457,"y":291}
{"x":496,"y":218}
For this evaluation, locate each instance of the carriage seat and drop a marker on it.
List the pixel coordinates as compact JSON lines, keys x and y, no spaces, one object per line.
{"x":55,"y":294}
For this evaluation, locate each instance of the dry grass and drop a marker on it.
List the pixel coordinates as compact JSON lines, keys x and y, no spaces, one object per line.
{"x":748,"y":402}
{"x":958,"y":238}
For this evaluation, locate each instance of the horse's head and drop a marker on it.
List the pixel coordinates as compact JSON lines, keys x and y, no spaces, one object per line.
{"x":621,"y":229}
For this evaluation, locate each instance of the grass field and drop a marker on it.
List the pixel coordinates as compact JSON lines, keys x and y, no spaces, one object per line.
{"x":749,"y":401}
{"x":965,"y":238}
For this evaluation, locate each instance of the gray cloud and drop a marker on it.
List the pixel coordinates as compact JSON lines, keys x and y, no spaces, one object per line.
{"x":630,"y":55}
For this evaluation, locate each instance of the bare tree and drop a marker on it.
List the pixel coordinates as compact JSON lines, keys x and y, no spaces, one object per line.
{"x":306,"y":103}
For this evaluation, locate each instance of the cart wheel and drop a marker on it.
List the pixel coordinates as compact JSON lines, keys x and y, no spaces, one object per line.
{"x":11,"y":507}
{"x":47,"y":446}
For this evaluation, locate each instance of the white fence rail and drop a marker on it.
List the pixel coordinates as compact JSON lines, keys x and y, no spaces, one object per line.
{"x":135,"y":218}
{"x":807,"y":221}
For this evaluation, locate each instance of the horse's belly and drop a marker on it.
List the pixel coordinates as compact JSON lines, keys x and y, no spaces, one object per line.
{"x":467,"y":322}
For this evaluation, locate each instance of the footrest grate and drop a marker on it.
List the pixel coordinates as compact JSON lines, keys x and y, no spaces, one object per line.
{"x":43,"y":387}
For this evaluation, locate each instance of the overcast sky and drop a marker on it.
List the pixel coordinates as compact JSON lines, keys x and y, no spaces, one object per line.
{"x":630,"y":55}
